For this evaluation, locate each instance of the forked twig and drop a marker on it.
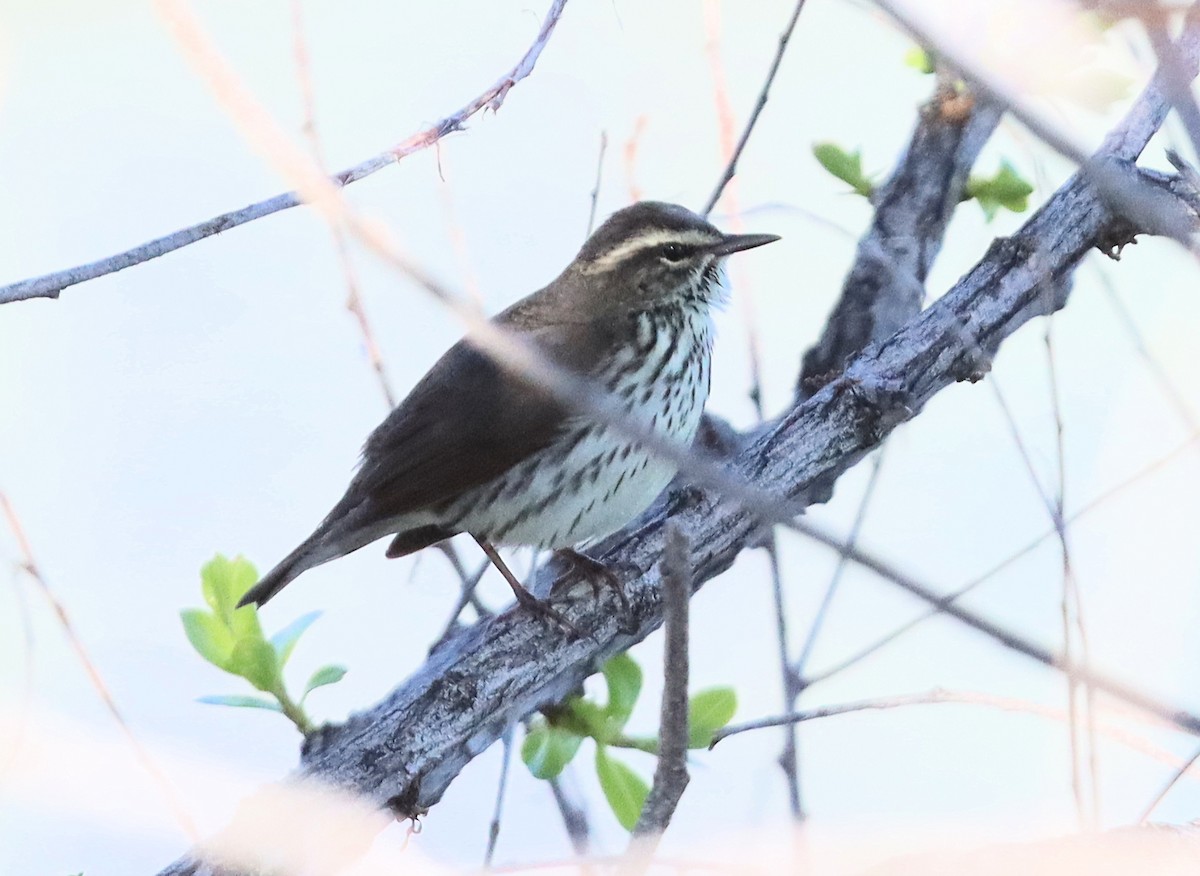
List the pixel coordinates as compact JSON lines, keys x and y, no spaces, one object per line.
{"x":50,"y":285}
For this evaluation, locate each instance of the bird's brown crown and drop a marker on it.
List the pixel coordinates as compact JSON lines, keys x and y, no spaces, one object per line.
{"x":669,"y":230}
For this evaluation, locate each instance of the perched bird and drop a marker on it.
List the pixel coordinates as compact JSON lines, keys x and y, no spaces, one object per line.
{"x":478,"y":449}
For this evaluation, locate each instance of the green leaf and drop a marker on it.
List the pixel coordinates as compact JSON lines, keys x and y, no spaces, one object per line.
{"x":547,"y":750}
{"x":211,"y":638}
{"x":1006,"y":189}
{"x":846,"y":166}
{"x":624,"y":789}
{"x":330,"y":674}
{"x":624,"y":679}
{"x":919,"y":59}
{"x":224,"y":582}
{"x":242,"y":702}
{"x":285,"y":640}
{"x":709,"y":711}
{"x":583,"y":718}
{"x":255,"y":661}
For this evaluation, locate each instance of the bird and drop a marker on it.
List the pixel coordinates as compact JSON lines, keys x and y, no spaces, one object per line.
{"x":476,"y":448}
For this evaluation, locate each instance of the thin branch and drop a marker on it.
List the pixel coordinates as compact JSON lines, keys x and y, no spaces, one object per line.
{"x":141,"y":753}
{"x":862,"y":654}
{"x":498,"y":811}
{"x":1139,"y":206}
{"x":1176,"y":82}
{"x":936,"y":696}
{"x":745,"y":299}
{"x":860,"y":516}
{"x":731,"y":163}
{"x":1013,"y":640}
{"x":574,"y":816}
{"x":789,"y":758}
{"x":1166,"y":789}
{"x":1158,"y":372}
{"x":596,"y":188}
{"x":466,"y":596}
{"x":50,"y":285}
{"x":671,"y":774}
{"x":354,"y":302}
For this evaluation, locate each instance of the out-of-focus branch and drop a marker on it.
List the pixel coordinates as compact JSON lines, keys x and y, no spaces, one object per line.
{"x":30,"y":567}
{"x":886,"y":286}
{"x":50,"y":285}
{"x":731,"y":165}
{"x":671,"y":774}
{"x":940,"y":696}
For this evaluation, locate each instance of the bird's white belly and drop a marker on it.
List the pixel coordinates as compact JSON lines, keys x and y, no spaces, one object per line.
{"x":560,"y":499}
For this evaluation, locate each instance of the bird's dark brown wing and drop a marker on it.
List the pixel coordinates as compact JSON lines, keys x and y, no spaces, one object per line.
{"x":465,"y":423}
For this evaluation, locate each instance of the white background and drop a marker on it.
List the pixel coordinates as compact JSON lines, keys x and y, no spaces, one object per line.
{"x":215,"y":400}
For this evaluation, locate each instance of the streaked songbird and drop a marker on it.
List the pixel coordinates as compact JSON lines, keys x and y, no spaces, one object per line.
{"x":479,"y":449}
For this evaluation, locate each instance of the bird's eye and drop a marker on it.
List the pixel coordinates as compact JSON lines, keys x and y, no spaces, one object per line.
{"x":674,"y":252}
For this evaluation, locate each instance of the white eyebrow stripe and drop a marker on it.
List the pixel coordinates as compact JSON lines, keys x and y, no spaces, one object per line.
{"x":648,"y":240}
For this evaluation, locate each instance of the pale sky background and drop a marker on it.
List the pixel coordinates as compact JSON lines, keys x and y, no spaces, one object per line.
{"x":215,"y":400}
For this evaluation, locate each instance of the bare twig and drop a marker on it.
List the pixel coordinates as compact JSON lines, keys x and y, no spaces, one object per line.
{"x":574,"y":816}
{"x":732,"y":160}
{"x":670,"y":775}
{"x":863,"y":653}
{"x":30,"y":567}
{"x":1140,"y":204}
{"x":789,"y":758}
{"x":1166,"y":789}
{"x":501,"y":786}
{"x":354,"y":302}
{"x":466,"y":596}
{"x":50,"y":285}
{"x":860,"y":516}
{"x":936,"y":696}
{"x":1175,"y":79}
{"x":596,"y":188}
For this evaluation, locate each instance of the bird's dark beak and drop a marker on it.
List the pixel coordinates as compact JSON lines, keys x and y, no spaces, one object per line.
{"x":731,"y":243}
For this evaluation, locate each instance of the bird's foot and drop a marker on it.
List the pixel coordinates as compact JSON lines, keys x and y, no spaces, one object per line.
{"x":527,"y":600}
{"x":543,"y":608}
{"x":599,"y":576}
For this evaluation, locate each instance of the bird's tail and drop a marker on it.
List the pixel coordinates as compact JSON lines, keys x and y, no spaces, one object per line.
{"x":315,"y":551}
{"x":288,"y":569}
{"x":339,"y":534}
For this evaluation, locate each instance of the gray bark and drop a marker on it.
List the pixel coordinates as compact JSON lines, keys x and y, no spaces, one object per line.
{"x":886,"y":286}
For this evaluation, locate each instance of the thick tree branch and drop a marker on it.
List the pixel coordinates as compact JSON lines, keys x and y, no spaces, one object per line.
{"x":886,"y":286}
{"x":50,"y":285}
{"x":404,"y":751}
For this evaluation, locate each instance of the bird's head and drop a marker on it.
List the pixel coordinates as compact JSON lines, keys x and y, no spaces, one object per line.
{"x":657,"y":253}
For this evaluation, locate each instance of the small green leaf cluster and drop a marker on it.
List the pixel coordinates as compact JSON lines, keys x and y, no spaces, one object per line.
{"x":554,"y":738}
{"x":1006,"y":188}
{"x":232,"y":639}
{"x":920,"y":60}
{"x":846,"y":166}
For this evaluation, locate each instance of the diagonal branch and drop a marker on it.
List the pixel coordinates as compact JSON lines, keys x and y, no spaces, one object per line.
{"x":886,"y":286}
{"x":50,"y":285}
